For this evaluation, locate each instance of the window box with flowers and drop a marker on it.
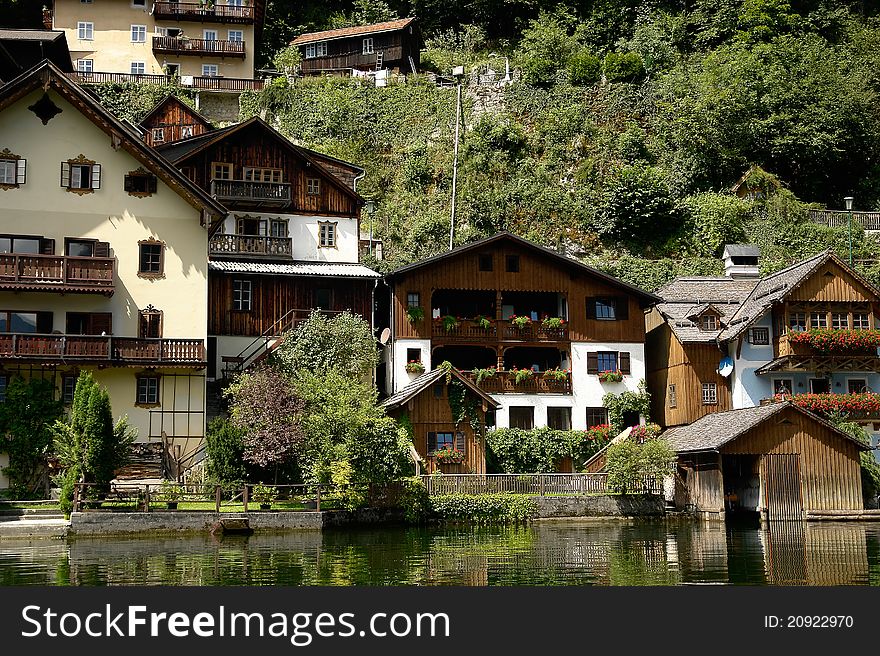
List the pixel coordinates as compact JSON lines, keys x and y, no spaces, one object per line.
{"x":482,"y":374}
{"x":450,"y":323}
{"x":610,"y":376}
{"x":415,"y":314}
{"x":520,"y":322}
{"x":556,"y":375}
{"x":448,"y":456}
{"x":601,"y":433}
{"x":864,"y":404}
{"x":553,"y":323}
{"x":415,"y":367}
{"x":522,"y":376}
{"x":826,"y":340}
{"x":482,"y":322}
{"x":644,"y":432}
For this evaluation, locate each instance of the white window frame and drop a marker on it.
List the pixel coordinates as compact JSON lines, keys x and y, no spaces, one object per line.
{"x":158,"y":135}
{"x":8,"y":171}
{"x":242,"y":295}
{"x":138,"y":65}
{"x":186,"y":131}
{"x":313,"y":186}
{"x":310,"y":51}
{"x":368,"y":48}
{"x":215,"y":37}
{"x":321,"y":49}
{"x":85,"y":31}
{"x":327,"y":234}
{"x":861,"y":325}
{"x":765,"y":339}
{"x":788,"y":383}
{"x":818,"y":320}
{"x":210,"y":67}
{"x":836,"y":318}
{"x":710,"y":393}
{"x":235,"y":36}
{"x":138,"y":33}
{"x":85,"y":65}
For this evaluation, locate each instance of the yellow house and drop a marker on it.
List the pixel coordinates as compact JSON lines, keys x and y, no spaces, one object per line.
{"x":103,"y":259}
{"x":145,"y":37}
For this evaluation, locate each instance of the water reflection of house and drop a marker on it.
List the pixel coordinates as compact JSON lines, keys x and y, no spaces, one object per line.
{"x":799,"y":553}
{"x":775,"y":459}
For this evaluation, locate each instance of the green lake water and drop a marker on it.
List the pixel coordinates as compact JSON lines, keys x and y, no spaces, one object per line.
{"x":672,"y":552}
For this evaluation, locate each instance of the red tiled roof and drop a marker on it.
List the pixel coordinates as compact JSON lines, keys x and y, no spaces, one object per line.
{"x":389,"y":26}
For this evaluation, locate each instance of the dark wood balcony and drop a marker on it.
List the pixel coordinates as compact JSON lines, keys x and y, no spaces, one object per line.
{"x":101,"y":349}
{"x":57,"y":273}
{"x":252,"y":245}
{"x":206,"y":82}
{"x":194,"y":11}
{"x":242,"y":192}
{"x":176,"y":45}
{"x":505,"y":331}
{"x":504,"y":382}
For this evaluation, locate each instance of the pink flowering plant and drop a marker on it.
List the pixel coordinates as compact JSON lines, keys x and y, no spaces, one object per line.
{"x":610,"y":376}
{"x":557,"y":374}
{"x":644,"y":432}
{"x":448,"y":455}
{"x":521,"y":321}
{"x":865,"y":403}
{"x":521,"y":375}
{"x":827,"y":340}
{"x":415,"y":367}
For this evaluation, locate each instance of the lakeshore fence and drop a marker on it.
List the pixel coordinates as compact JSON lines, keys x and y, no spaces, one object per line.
{"x":531,"y":484}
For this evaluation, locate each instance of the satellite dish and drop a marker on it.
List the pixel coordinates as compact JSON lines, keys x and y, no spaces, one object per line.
{"x":385,"y":336}
{"x":725,"y":367}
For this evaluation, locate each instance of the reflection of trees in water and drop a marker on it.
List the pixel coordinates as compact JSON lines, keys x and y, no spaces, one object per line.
{"x":544,"y":553}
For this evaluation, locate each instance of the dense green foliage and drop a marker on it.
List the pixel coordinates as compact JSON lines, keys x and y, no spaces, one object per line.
{"x":870,"y":469}
{"x":629,"y":464}
{"x":89,"y":446}
{"x":224,"y":449}
{"x":618,"y":143}
{"x":539,"y":450}
{"x":26,"y":417}
{"x":132,"y":100}
{"x":636,"y":402}
{"x":482,"y":509}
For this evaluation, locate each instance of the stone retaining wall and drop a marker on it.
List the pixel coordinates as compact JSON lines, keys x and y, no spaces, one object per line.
{"x":618,"y":505}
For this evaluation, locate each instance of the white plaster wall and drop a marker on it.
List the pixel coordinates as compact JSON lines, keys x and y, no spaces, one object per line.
{"x":540,"y":402}
{"x":304,"y":231}
{"x":588,"y":390}
{"x":747,"y":388}
{"x":400,"y":377}
{"x":229,"y":346}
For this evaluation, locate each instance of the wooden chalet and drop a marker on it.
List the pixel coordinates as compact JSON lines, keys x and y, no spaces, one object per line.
{"x":172,"y":120}
{"x":289,"y":243}
{"x":392,"y":45}
{"x":507,"y":304}
{"x":777,"y":460}
{"x":758,"y":328}
{"x":425,"y":402}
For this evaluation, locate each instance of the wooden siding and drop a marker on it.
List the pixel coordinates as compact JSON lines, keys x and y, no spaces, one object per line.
{"x":429,"y":414}
{"x":396,"y":48}
{"x":258,"y":148}
{"x":829,"y":464}
{"x":842,"y":286}
{"x":701,"y":474}
{"x":274,"y":296}
{"x":172,"y":117}
{"x":669,"y":362}
{"x":537,"y":273}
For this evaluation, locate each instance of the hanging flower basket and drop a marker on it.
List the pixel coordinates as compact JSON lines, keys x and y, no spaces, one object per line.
{"x":482,"y":322}
{"x":415,"y":314}
{"x":557,"y":375}
{"x":415,"y":367}
{"x":450,"y":323}
{"x":610,"y":376}
{"x":826,"y":340}
{"x":553,"y":323}
{"x":521,"y":376}
{"x":448,"y":456}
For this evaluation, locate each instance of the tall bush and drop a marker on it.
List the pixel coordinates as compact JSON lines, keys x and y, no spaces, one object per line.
{"x":224,"y":448}
{"x":629,"y":464}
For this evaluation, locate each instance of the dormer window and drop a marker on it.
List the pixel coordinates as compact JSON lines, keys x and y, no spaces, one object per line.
{"x":709,"y":322}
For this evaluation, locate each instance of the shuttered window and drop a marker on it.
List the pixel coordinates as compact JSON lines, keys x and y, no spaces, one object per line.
{"x":139,"y":183}
{"x":459,"y":441}
{"x":13,"y":172}
{"x":150,"y":323}
{"x":438,"y":441}
{"x":80,"y":176}
{"x":599,"y":361}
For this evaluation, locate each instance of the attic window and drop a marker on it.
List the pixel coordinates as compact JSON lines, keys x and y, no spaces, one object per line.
{"x":140,"y":183}
{"x":709,"y":322}
{"x":829,"y":274}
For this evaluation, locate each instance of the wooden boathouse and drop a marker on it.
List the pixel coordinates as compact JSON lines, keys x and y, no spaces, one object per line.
{"x":777,"y":460}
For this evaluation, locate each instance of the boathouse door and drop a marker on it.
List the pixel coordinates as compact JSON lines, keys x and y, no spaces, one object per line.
{"x":782,"y":487}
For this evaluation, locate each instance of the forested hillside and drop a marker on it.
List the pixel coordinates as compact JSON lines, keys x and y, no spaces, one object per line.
{"x":619,"y":141}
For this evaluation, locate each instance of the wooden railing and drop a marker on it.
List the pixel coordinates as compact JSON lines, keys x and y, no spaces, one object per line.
{"x":504,"y":382}
{"x":195,"y":11}
{"x":242,"y":190}
{"x":56,"y":272}
{"x":467,"y":330}
{"x":840,"y":218}
{"x":251,"y":245}
{"x":207,"y":82}
{"x":177,"y":45}
{"x":101,"y":348}
{"x":531,"y":484}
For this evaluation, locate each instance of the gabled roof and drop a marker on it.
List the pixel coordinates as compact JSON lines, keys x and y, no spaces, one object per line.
{"x":47,"y":76}
{"x":178,"y":151}
{"x":426,"y":380}
{"x":646,"y":297}
{"x":777,"y":286}
{"x":172,"y":99}
{"x":346,"y":32}
{"x":21,"y":50}
{"x":711,"y":432}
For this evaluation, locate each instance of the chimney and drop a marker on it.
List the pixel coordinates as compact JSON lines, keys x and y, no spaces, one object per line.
{"x":741,"y":261}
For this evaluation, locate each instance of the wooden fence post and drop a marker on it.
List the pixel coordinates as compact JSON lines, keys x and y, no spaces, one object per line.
{"x":244,"y":497}
{"x":217,"y":497}
{"x":318,"y":504}
{"x":76,"y":493}
{"x":542,"y":484}
{"x":147,"y":499}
